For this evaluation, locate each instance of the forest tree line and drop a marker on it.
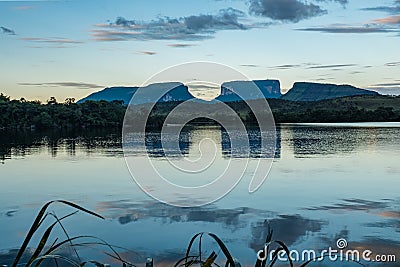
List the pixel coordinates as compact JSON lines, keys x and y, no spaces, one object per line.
{"x":22,"y":114}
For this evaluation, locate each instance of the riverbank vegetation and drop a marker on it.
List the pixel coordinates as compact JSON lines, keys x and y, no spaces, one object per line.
{"x":22,"y":114}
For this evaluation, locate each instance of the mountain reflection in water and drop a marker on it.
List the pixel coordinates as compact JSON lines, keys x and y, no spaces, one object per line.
{"x":327,"y":182}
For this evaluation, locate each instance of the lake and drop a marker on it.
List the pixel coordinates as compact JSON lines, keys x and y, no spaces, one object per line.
{"x":327,"y":182}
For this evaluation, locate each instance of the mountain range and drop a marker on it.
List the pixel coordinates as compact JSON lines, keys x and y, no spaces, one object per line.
{"x":230,"y":91}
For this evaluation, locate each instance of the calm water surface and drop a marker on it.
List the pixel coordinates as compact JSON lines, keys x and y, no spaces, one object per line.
{"x":328,"y":181}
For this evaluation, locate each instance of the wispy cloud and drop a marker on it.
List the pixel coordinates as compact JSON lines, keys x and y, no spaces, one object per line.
{"x":386,"y":84}
{"x":190,"y":28}
{"x":356,"y":72}
{"x":7,"y":30}
{"x":113,"y":35}
{"x":348,"y":29}
{"x":311,"y":66}
{"x":342,"y":2}
{"x":286,"y":66}
{"x":48,"y":47}
{"x":335,"y":66}
{"x":77,"y":85}
{"x":23,"y":7}
{"x":388,"y":20}
{"x":391,"y":88}
{"x":180,"y":45}
{"x":388,"y":24}
{"x":149,"y":53}
{"x":285,"y":10}
{"x":250,"y":65}
{"x":392,"y":64}
{"x":52,"y":40}
{"x":392,"y":9}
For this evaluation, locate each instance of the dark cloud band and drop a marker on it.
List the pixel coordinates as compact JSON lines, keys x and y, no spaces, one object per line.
{"x":332,"y":66}
{"x":7,"y":30}
{"x":392,"y":9}
{"x":78,"y":85}
{"x":347,"y":29}
{"x":285,"y":10}
{"x":188,"y":28}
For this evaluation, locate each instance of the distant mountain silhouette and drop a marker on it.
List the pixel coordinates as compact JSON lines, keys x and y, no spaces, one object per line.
{"x":179,"y":92}
{"x":246,"y":90}
{"x":230,"y":91}
{"x":112,"y":93}
{"x":305,"y":91}
{"x":176,"y":91}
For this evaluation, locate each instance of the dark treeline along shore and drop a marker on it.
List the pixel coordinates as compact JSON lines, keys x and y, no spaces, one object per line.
{"x":22,"y":114}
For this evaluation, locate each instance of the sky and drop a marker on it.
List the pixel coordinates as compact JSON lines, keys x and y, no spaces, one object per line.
{"x":73,"y":48}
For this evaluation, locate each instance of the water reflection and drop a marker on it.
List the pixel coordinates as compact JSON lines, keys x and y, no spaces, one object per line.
{"x":301,"y":140}
{"x":356,"y":205}
{"x":127,"y":212}
{"x":17,"y":144}
{"x":327,"y":182}
{"x":329,"y":139}
{"x":286,"y":228}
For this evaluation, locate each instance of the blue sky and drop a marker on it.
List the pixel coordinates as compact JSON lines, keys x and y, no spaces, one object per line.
{"x":72,"y":48}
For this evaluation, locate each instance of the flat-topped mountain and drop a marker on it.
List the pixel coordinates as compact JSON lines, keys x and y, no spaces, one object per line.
{"x":176,"y":92}
{"x":112,"y":93}
{"x":230,"y":91}
{"x":163,"y":92}
{"x":306,"y":91}
{"x":245,"y":90}
{"x":267,"y":89}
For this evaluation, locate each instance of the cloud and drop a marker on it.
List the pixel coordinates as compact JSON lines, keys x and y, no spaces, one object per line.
{"x":48,"y":47}
{"x":356,"y":72}
{"x":285,"y":10}
{"x":149,"y":53}
{"x":392,"y":64}
{"x":227,"y":19}
{"x":391,"y":88}
{"x":180,"y":45}
{"x":286,"y":66}
{"x":7,"y":30}
{"x":250,"y":65}
{"x":52,"y":40}
{"x":23,"y":7}
{"x":342,"y":2}
{"x":310,"y":66}
{"x":111,"y":35}
{"x":388,"y":20}
{"x":190,"y":28}
{"x":393,"y":9}
{"x":386,"y":90}
{"x":78,"y":85}
{"x":347,"y":29}
{"x":386,"y":84}
{"x":336,"y":66}
{"x":381,"y":25}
